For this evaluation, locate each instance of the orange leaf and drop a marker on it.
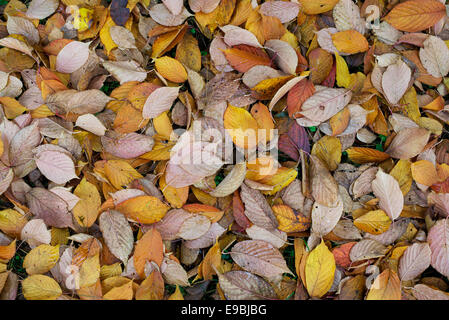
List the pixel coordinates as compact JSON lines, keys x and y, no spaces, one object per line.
{"x":148,"y":248}
{"x":416,"y":15}
{"x":303,"y":90}
{"x":365,"y":155}
{"x":340,"y":121}
{"x":7,"y":252}
{"x":350,"y":42}
{"x":424,"y":172}
{"x":243,"y":57}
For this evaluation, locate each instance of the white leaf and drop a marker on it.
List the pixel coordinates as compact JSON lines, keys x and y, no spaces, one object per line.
{"x":235,"y":35}
{"x":206,"y":6}
{"x":387,"y":189}
{"x":284,"y":55}
{"x":91,"y":123}
{"x":122,"y":37}
{"x":435,"y":56}
{"x":163,"y":16}
{"x":18,"y":25}
{"x":125,"y":71}
{"x":395,"y":81}
{"x":35,"y":233}
{"x":347,"y":16}
{"x":159,"y":101}
{"x":175,"y":6}
{"x":72,"y":57}
{"x":414,"y":261}
{"x":285,"y":11}
{"x":41,"y":9}
{"x":325,"y":103}
{"x":275,"y":237}
{"x":324,"y":219}
{"x":259,"y":257}
{"x":117,"y":234}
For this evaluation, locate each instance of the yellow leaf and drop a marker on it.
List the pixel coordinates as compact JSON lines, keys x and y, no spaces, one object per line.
{"x":319,"y":271}
{"x":410,"y":103}
{"x":86,"y":210}
{"x":374,"y":222}
{"x":40,"y":287}
{"x":171,"y":69}
{"x":188,"y":52}
{"x":403,"y":174}
{"x":289,"y":221}
{"x":343,"y":76}
{"x":124,"y":292}
{"x":241,"y":126}
{"x":203,"y":197}
{"x":12,"y":222}
{"x":386,"y":286}
{"x":268,"y":87}
{"x":264,"y":121}
{"x":177,"y":197}
{"x":282,"y":178}
{"x":167,"y":41}
{"x":120,"y":173}
{"x":112,"y":270}
{"x":161,"y":151}
{"x":177,"y":295}
{"x":41,"y":259}
{"x":143,"y":209}
{"x":12,"y":107}
{"x":89,"y":271}
{"x":317,"y":6}
{"x":162,"y":125}
{"x":328,"y":149}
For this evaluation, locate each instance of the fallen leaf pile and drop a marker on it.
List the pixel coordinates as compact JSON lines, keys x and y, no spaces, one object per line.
{"x":224,"y":149}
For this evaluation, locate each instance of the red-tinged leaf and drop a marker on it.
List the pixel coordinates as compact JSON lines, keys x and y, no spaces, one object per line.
{"x":243,"y":57}
{"x":297,"y":95}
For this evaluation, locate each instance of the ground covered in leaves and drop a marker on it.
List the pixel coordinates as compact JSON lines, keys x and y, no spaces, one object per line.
{"x":224,"y":149}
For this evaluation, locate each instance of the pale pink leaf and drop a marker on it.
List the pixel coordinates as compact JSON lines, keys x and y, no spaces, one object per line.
{"x":41,"y":9}
{"x":206,"y":6}
{"x":387,"y":190}
{"x":128,"y":146}
{"x":56,"y":166}
{"x":438,"y":239}
{"x":414,"y":261}
{"x":159,"y":101}
{"x":175,"y":6}
{"x":35,"y":233}
{"x":284,"y":55}
{"x":395,"y":81}
{"x":285,"y":11}
{"x":235,"y":35}
{"x":72,"y":57}
{"x":91,"y":123}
